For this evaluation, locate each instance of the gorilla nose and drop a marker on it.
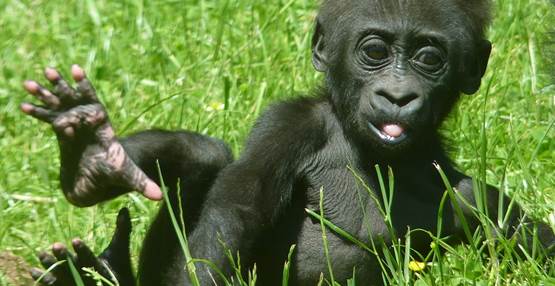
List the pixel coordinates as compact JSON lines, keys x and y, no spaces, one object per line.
{"x":396,"y":100}
{"x":399,"y":98}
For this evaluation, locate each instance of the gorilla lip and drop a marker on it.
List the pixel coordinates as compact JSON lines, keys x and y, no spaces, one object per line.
{"x":390,"y":132}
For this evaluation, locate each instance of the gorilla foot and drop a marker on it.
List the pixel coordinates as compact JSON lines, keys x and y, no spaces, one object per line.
{"x":113,"y":264}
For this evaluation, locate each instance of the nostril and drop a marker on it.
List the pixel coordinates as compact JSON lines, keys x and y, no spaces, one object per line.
{"x":407,"y":99}
{"x":397,"y":99}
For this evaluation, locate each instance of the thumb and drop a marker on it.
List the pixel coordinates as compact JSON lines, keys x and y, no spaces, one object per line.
{"x":152,"y":191}
{"x":137,"y":180}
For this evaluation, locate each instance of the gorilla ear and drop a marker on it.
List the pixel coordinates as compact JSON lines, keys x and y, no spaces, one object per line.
{"x":474,"y":71}
{"x":319,"y":60}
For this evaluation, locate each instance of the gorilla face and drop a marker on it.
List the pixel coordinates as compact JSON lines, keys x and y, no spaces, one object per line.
{"x":394,"y":73}
{"x":398,"y":75}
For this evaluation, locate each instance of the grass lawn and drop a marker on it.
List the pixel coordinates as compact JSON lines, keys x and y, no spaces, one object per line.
{"x":213,"y":66}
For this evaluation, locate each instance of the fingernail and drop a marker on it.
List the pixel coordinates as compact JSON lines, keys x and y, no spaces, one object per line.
{"x":152,"y":191}
{"x":51,"y":74}
{"x":77,"y":72}
{"x":42,"y":255}
{"x":57,"y":247}
{"x":26,"y":108}
{"x":31,"y":86}
{"x":76,"y":242}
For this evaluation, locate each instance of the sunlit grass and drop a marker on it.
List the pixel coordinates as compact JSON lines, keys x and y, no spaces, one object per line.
{"x":212,"y":66}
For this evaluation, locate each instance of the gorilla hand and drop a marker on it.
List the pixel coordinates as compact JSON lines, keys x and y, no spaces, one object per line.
{"x":93,"y":163}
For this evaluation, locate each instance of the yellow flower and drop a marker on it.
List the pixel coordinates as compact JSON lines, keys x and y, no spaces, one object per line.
{"x":214,"y":106}
{"x":417,"y":266}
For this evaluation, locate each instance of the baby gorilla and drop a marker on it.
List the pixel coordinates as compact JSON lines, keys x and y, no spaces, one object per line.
{"x":393,"y":72}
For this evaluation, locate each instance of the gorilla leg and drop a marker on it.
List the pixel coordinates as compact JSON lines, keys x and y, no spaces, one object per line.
{"x":191,"y":162}
{"x":161,"y":248}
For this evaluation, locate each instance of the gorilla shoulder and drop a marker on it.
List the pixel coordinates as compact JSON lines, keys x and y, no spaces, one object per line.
{"x":291,"y":128}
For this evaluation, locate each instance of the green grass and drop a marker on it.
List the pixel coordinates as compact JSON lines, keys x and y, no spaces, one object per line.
{"x":169,"y":63}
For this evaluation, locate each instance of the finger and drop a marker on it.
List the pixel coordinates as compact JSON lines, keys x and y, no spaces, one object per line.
{"x":84,"y":86}
{"x":84,"y":115}
{"x":132,"y":175}
{"x":38,"y":112}
{"x":43,"y":278}
{"x":92,"y":114}
{"x":142,"y":184}
{"x":69,"y":132}
{"x":65,"y":92}
{"x":52,"y":75}
{"x":151,"y":190}
{"x":31,"y":87}
{"x":85,"y":256}
{"x":105,"y":135}
{"x":42,"y":94}
{"x":65,"y":123}
{"x":77,"y":73}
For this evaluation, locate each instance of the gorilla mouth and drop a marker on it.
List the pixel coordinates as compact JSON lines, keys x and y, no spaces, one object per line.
{"x":391,"y":133}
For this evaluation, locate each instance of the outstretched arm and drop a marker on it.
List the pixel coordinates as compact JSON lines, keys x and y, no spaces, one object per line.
{"x":97,"y":166}
{"x":91,"y":157}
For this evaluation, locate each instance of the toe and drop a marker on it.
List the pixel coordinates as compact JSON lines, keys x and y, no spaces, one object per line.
{"x":60,"y":251}
{"x":47,"y":260}
{"x":42,"y":278}
{"x":85,"y":256}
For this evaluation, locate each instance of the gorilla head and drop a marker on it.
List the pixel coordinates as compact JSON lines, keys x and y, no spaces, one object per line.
{"x":394,"y":69}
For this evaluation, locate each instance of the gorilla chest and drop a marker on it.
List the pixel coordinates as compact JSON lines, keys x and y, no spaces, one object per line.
{"x":354,"y":202}
{"x":355,"y":205}
{"x":345,"y":204}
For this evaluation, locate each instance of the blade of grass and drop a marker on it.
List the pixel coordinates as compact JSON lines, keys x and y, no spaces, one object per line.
{"x":325,"y":238}
{"x":286,"y":266}
{"x":74,"y":273}
{"x":182,"y":238}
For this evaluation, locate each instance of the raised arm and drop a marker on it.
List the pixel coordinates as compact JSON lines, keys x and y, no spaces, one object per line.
{"x":97,"y":166}
{"x":92,"y":159}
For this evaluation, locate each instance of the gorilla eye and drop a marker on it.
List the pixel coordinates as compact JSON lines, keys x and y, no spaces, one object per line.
{"x":429,"y":58}
{"x":376,"y":51}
